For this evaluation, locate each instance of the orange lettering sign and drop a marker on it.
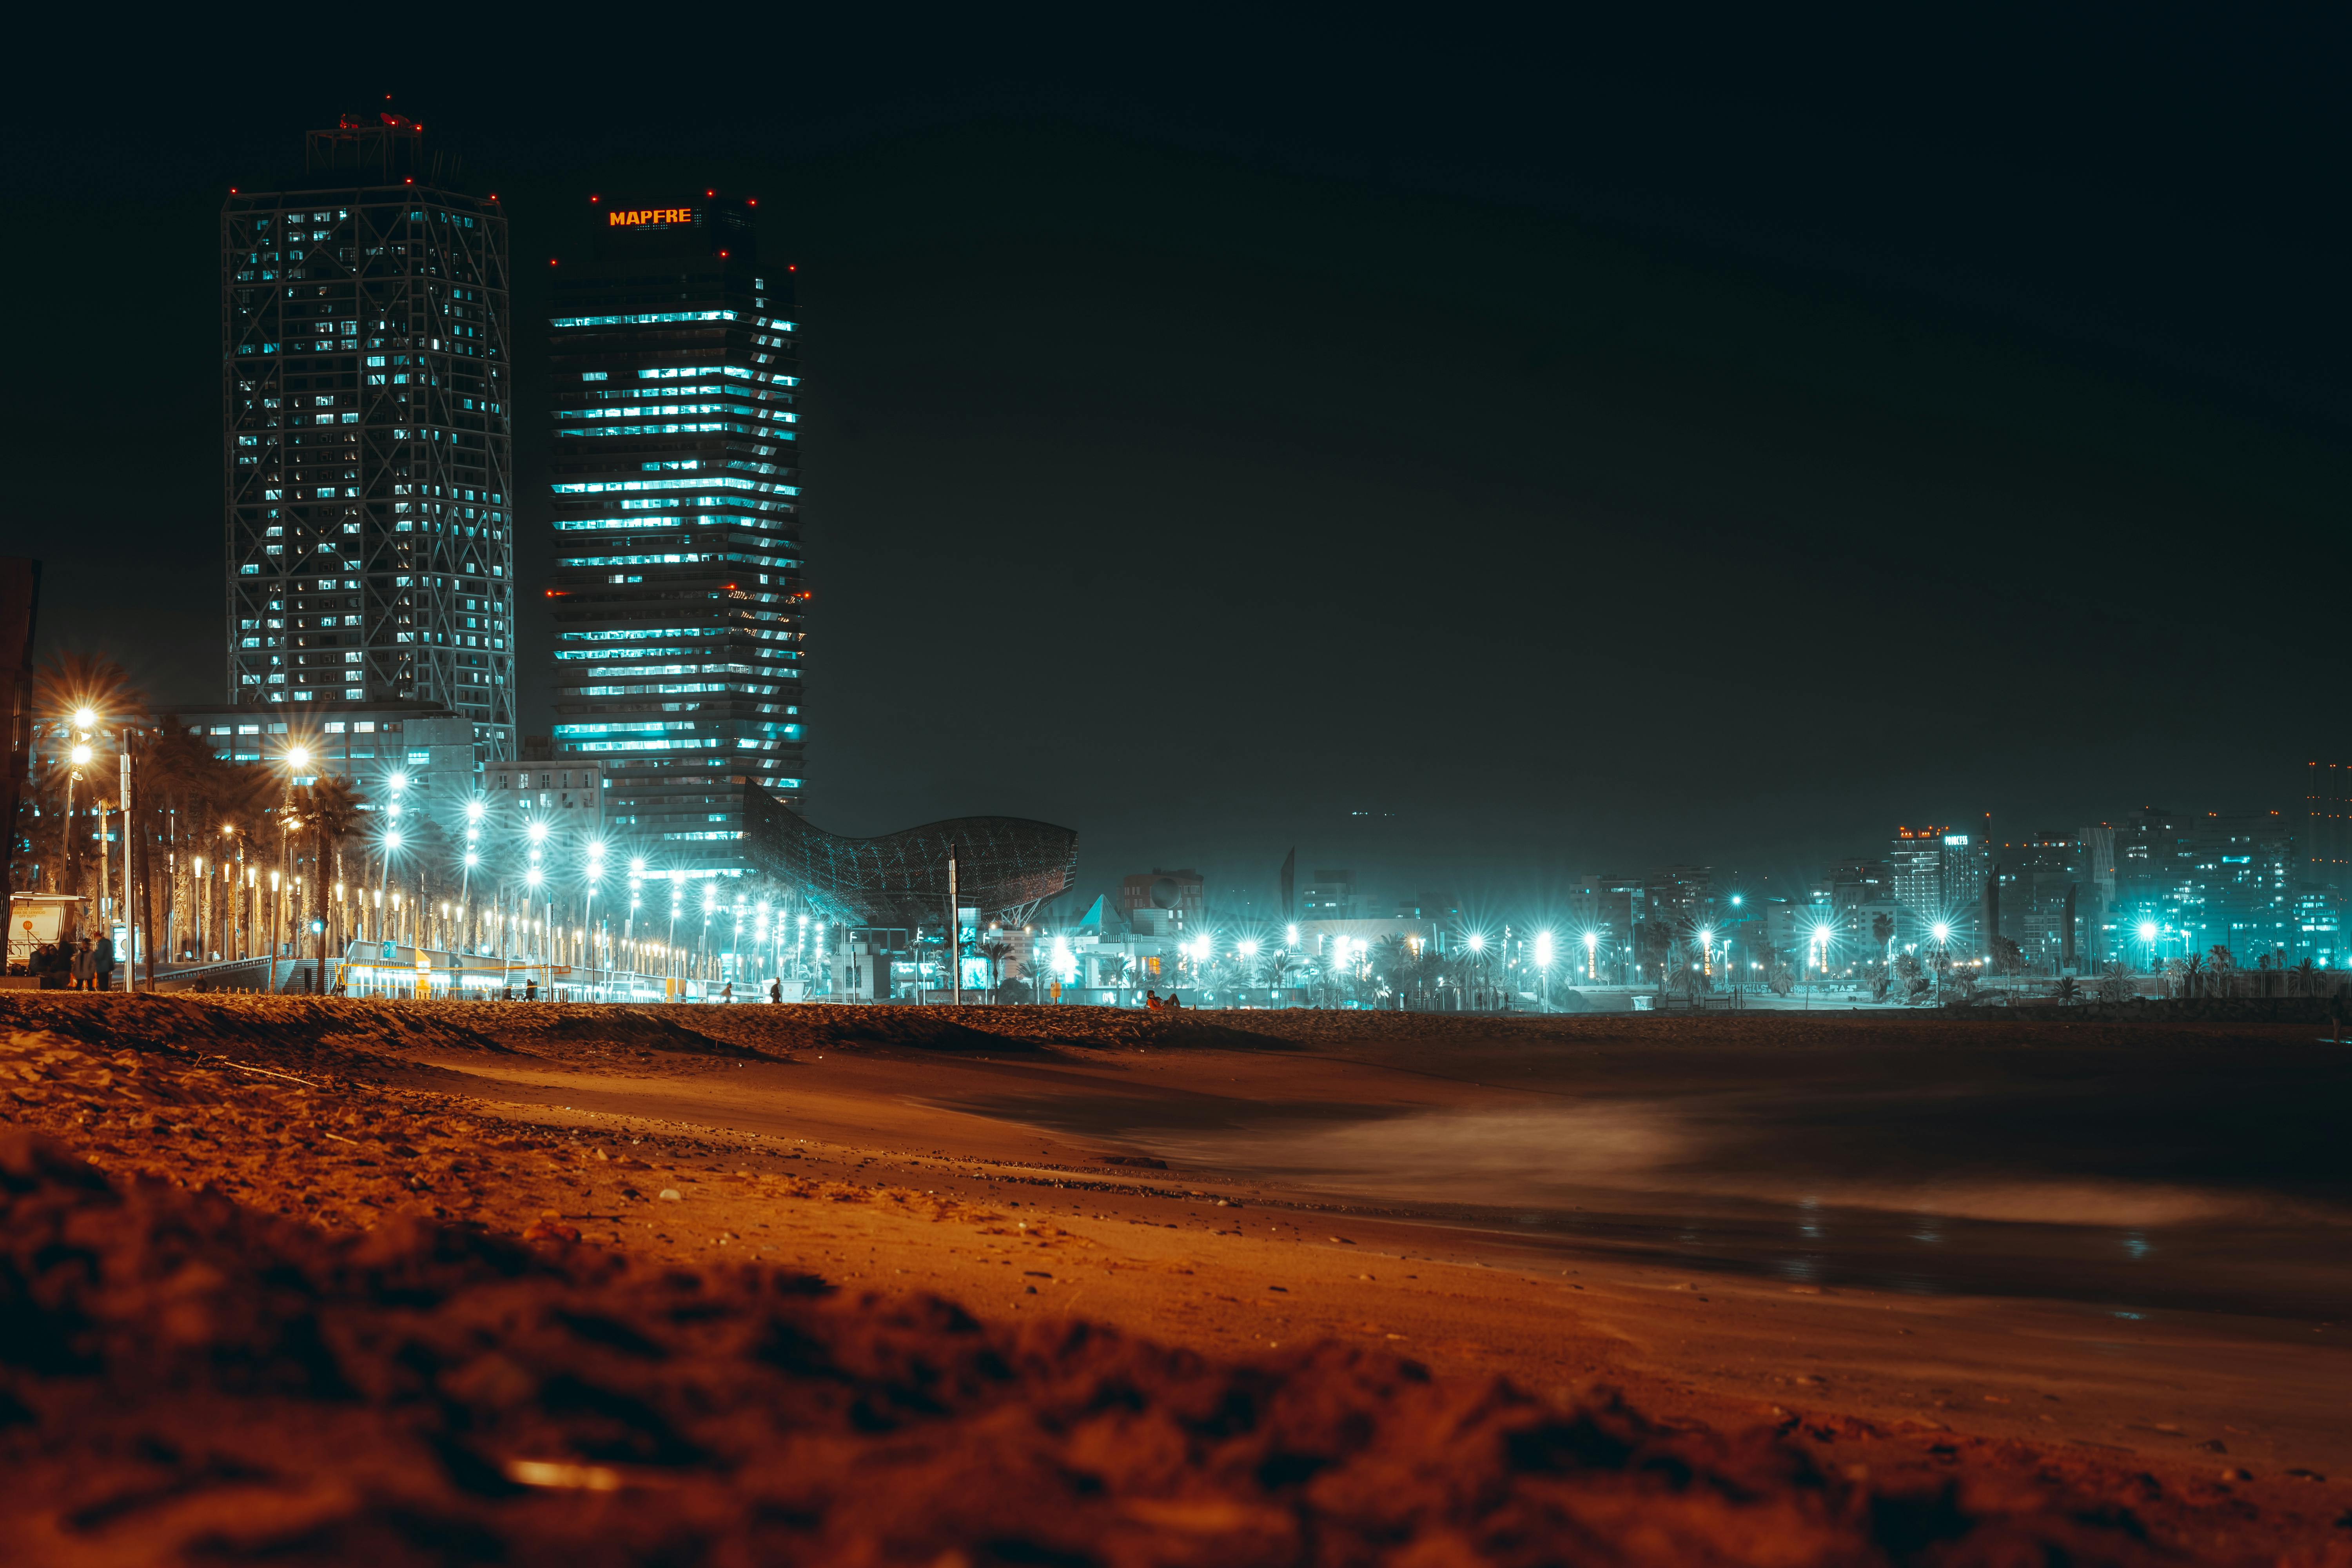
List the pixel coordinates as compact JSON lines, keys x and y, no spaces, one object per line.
{"x":658,"y":217}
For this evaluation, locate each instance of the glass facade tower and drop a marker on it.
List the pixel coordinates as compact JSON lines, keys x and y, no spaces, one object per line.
{"x":677,"y":596}
{"x":368,"y":450}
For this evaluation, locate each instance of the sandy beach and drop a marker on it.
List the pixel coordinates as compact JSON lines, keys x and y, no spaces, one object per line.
{"x":1858,"y":1241}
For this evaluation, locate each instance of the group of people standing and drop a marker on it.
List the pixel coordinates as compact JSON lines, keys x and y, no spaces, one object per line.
{"x":70,"y":965}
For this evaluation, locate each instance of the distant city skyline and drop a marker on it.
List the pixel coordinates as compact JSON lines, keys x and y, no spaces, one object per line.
{"x":1665,"y":470}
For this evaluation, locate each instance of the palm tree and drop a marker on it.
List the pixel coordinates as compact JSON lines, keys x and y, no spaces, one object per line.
{"x":995,"y":948}
{"x":177,"y":773}
{"x":2222,"y":968}
{"x":1654,"y":944}
{"x":330,"y":809}
{"x":1277,"y":966}
{"x":2304,"y":978}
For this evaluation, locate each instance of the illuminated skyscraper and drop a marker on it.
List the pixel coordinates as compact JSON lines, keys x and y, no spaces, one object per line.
{"x":367,"y":445}
{"x":1938,"y":879}
{"x":677,"y":594}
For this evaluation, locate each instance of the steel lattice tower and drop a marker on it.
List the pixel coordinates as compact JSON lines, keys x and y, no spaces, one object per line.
{"x":367,"y":388}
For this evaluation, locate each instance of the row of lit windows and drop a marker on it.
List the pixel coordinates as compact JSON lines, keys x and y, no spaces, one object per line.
{"x":674,"y":560}
{"x":672,"y":318}
{"x":690,"y":371}
{"x":659,"y":410}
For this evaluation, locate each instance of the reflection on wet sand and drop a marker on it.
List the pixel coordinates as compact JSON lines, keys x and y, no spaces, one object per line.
{"x":1507,"y":1157}
{"x":1639,"y":1179}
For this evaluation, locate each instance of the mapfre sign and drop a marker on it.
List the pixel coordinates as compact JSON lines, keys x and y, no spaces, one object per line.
{"x":649,"y":218}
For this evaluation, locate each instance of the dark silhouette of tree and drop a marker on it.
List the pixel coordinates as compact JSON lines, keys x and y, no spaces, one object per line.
{"x":1653,"y":947}
{"x":995,"y":948}
{"x":328,"y":812}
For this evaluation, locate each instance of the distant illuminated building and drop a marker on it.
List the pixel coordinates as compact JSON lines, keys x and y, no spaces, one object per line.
{"x":2044,"y":889}
{"x":2317,"y":932}
{"x":677,"y":594}
{"x":2326,"y":857}
{"x":1331,"y":896}
{"x":2240,"y":870}
{"x":1915,"y":868}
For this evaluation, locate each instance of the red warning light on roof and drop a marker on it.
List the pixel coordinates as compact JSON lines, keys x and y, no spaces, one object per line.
{"x":595,"y":198}
{"x":710,"y":193}
{"x":753,"y":202}
{"x":792,"y":267}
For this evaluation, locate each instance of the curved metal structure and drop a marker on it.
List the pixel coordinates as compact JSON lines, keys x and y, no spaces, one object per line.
{"x":1006,"y":866}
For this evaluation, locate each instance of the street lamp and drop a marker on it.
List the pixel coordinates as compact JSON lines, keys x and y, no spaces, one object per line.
{"x":80,"y":755}
{"x":531,"y":878}
{"x":390,"y":845}
{"x":595,"y":880}
{"x":1591,"y":952}
{"x":297,"y":758}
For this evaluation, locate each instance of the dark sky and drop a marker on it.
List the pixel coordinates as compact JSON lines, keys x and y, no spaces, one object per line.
{"x":1471,"y":454}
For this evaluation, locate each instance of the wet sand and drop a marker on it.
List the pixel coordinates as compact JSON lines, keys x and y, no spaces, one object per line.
{"x":2093,"y":1243}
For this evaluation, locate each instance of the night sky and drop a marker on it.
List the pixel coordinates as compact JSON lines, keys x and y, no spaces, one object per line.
{"x":1471,"y":455}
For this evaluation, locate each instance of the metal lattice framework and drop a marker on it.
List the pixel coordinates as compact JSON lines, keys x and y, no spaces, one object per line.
{"x":368,"y":473}
{"x":1006,"y":866}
